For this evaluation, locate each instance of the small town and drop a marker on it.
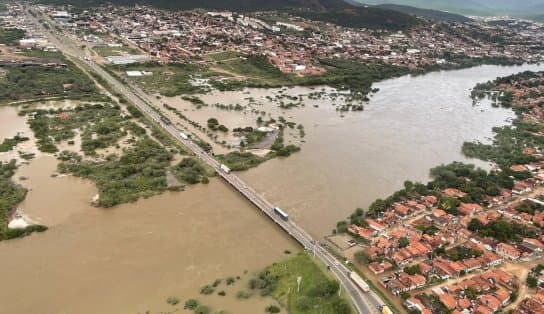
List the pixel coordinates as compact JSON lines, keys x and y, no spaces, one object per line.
{"x":123,"y":106}
{"x":474,"y":257}
{"x":292,"y":44}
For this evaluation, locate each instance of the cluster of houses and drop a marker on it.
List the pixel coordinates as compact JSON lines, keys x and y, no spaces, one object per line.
{"x":412,"y":243}
{"x":533,"y":304}
{"x":485,"y":293}
{"x":294,"y":44}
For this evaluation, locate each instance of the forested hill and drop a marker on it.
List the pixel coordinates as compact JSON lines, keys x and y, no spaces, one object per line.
{"x":426,"y":13}
{"x":473,"y":7}
{"x":335,"y":11}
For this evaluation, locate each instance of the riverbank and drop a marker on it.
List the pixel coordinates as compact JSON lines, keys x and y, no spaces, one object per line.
{"x":464,"y":216}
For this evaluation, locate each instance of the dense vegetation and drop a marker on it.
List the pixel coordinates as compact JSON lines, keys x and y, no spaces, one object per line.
{"x":9,"y":143}
{"x":191,"y":171}
{"x":475,"y":182}
{"x":31,"y":82}
{"x":318,"y":292}
{"x":509,"y":142}
{"x":138,"y":172}
{"x":100,"y":125}
{"x":502,"y":230}
{"x":11,"y":36}
{"x":357,"y":76}
{"x":11,"y":194}
{"x":237,"y":161}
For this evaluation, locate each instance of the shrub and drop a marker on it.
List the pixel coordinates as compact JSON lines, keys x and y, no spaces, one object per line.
{"x":243,"y":295}
{"x":172,"y":300}
{"x":207,"y":290}
{"x":272,"y":309}
{"x":202,"y":309}
{"x":191,"y":304}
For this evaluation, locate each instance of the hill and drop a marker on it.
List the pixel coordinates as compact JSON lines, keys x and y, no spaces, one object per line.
{"x":334,"y":11}
{"x":427,"y":13}
{"x":472,"y":7}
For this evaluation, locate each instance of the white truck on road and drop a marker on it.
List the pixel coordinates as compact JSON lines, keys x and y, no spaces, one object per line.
{"x":224,"y":168}
{"x":359,"y":281}
{"x":183,"y":136}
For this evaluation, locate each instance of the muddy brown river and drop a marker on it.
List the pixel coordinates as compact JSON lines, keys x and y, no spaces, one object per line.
{"x":129,"y":259}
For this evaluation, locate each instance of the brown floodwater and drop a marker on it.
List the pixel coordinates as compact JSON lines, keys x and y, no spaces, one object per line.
{"x":348,"y":159}
{"x":52,"y":200}
{"x":12,"y":124}
{"x":411,"y":125}
{"x":129,"y":259}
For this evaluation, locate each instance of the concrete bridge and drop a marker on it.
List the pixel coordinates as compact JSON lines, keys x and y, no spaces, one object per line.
{"x":367,"y":302}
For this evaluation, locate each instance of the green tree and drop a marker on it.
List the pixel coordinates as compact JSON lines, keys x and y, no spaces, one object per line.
{"x":191,"y":304}
{"x":403,"y":242}
{"x":532,"y":282}
{"x":362,"y":258}
{"x":272,"y":309}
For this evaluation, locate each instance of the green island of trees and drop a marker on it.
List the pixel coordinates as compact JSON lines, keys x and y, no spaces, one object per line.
{"x":137,"y":170}
{"x":239,"y":161}
{"x":9,"y":143}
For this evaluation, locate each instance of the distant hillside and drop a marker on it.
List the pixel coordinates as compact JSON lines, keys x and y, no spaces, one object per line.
{"x":427,"y":13}
{"x":472,"y":7}
{"x":468,"y":7}
{"x":335,"y":11}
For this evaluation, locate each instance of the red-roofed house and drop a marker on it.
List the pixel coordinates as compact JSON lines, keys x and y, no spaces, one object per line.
{"x":507,"y":251}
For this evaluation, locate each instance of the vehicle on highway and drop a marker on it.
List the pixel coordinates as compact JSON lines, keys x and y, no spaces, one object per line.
{"x":183,"y":136}
{"x":359,"y":282}
{"x":165,"y":120}
{"x":386,"y":310}
{"x":281,"y":213}
{"x":224,"y":168}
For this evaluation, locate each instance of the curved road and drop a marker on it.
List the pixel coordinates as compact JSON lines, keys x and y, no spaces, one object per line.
{"x":363,"y":302}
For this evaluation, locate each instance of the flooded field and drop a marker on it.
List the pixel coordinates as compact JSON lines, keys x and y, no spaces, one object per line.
{"x":411,"y":125}
{"x":131,"y":258}
{"x":11,"y":124}
{"x":349,"y":159}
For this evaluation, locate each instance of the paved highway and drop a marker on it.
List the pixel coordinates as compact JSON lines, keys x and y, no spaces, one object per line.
{"x":363,"y":302}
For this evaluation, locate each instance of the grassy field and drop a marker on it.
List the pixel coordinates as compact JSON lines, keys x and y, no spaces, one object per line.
{"x":257,"y":69}
{"x":116,"y":51}
{"x":169,"y":80}
{"x":224,"y":55}
{"x":318,"y":289}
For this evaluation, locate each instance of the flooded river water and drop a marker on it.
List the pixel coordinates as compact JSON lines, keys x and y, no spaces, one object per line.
{"x":129,"y":259}
{"x":411,"y":125}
